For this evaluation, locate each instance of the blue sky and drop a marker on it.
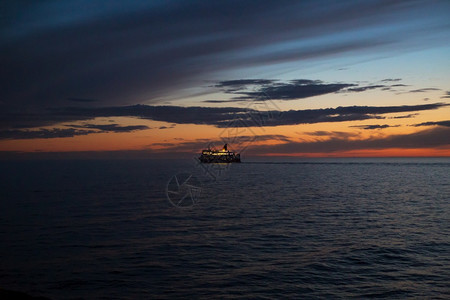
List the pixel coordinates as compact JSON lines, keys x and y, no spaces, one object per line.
{"x":63,"y":60}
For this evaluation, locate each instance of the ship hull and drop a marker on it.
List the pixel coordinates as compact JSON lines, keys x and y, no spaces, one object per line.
{"x":219,"y":159}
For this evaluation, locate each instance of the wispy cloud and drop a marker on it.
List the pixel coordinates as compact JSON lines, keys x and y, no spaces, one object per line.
{"x":436,"y":137}
{"x":75,"y":130}
{"x":405,"y":116}
{"x":131,"y":53}
{"x":111,"y":127}
{"x":371,"y":127}
{"x":272,"y":89}
{"x":42,"y":133}
{"x":293,"y":90}
{"x":391,"y":80}
{"x":341,"y":114}
{"x":327,"y":142}
{"x":424,"y":90}
{"x":332,"y":134}
{"x":447,"y":95}
{"x":365,"y":88}
{"x":216,"y":116}
{"x":239,"y":83}
{"x":439,"y":123}
{"x":220,"y":117}
{"x":269,"y":89}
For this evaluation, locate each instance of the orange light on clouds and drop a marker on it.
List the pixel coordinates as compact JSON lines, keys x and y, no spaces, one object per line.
{"x":392,"y":152}
{"x":171,"y":137}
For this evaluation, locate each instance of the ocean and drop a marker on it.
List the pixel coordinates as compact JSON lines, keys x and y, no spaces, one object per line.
{"x":265,"y":229}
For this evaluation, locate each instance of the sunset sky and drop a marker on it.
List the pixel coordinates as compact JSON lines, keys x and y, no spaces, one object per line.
{"x":270,"y":78}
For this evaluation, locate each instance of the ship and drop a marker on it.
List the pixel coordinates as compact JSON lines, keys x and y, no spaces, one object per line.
{"x":219,"y":156}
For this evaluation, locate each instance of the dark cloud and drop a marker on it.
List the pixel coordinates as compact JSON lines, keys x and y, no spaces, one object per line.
{"x":333,"y":134}
{"x":111,"y":127}
{"x":138,"y":52}
{"x":173,"y":114}
{"x":216,"y":116}
{"x":439,"y":123}
{"x":341,"y":114}
{"x":272,"y":89}
{"x":365,"y":88}
{"x":42,"y":133}
{"x":391,"y":79}
{"x":243,"y":82}
{"x":166,"y":127}
{"x":304,"y":81}
{"x":405,"y":116}
{"x":370,"y":127}
{"x":436,"y":137}
{"x":424,"y":90}
{"x":447,"y":95}
{"x":292,"y":91}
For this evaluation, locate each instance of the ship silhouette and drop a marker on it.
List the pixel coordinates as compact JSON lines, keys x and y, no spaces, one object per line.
{"x":219,"y":156}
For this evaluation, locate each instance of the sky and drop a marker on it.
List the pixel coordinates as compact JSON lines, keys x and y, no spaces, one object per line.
{"x":163,"y":79}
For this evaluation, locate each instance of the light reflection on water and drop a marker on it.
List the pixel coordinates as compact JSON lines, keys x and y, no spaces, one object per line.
{"x":321,"y":228}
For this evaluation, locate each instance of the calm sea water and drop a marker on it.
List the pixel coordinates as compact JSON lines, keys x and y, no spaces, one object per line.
{"x":336,"y":228}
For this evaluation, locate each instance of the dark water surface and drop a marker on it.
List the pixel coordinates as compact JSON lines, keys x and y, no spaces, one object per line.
{"x":336,"y":228}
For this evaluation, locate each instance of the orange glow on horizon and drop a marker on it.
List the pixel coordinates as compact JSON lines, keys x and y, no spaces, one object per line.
{"x":392,"y":152}
{"x":163,"y":137}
